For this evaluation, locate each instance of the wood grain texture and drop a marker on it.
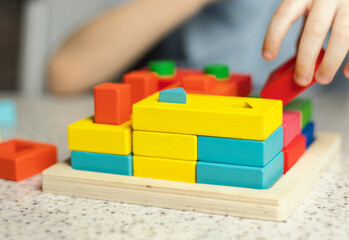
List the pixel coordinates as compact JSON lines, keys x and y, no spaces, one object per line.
{"x":275,"y":204}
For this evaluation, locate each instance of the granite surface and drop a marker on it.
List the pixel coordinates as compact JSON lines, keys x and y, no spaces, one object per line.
{"x":27,"y":213}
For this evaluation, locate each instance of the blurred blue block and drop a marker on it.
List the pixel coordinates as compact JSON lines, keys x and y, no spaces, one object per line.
{"x":8,"y":112}
{"x":240,"y":151}
{"x":309,"y":133}
{"x":240,"y":176}
{"x":175,"y":95}
{"x":100,"y":162}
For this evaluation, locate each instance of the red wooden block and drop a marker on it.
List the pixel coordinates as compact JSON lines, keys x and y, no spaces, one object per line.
{"x":143,"y":84}
{"x":199,"y":82}
{"x":173,"y":85}
{"x":112,"y":103}
{"x":243,"y":84}
{"x":20,"y":159}
{"x":164,"y":83}
{"x":293,"y":152}
{"x":281,"y":84}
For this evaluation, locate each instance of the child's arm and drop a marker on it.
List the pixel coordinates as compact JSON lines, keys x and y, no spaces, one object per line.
{"x":115,"y":40}
{"x":322,"y":14}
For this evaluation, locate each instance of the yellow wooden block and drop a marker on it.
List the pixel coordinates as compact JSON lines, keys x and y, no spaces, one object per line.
{"x":85,"y":135}
{"x":165,"y":145}
{"x":163,"y":168}
{"x":217,"y":116}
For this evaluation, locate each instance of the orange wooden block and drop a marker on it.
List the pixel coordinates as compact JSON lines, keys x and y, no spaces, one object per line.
{"x":112,"y":103}
{"x":20,"y":159}
{"x":243,"y":84}
{"x":225,"y":88}
{"x":168,"y":82}
{"x":143,"y":84}
{"x":293,"y":152}
{"x":199,"y":82}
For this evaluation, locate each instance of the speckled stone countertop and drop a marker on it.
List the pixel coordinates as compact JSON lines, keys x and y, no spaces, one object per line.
{"x":27,"y":213}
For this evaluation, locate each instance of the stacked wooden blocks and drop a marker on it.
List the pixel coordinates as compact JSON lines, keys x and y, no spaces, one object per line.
{"x":186,"y":132}
{"x":103,"y":143}
{"x":218,"y":140}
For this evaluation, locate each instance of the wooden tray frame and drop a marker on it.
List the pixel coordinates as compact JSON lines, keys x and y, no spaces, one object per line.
{"x":275,"y":204}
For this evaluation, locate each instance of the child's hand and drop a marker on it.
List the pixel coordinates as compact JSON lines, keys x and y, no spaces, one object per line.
{"x":322,"y":14}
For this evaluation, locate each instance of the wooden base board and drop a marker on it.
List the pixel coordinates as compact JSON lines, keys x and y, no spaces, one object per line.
{"x":275,"y":204}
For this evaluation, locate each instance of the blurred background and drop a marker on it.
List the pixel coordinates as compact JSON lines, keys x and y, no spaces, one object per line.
{"x":30,"y":31}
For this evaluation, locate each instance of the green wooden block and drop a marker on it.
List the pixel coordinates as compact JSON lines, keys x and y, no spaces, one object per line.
{"x":163,"y":67}
{"x":305,"y":106}
{"x":221,"y":71}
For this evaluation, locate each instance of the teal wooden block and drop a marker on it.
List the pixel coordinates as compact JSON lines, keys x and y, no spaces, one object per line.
{"x":174,"y":95}
{"x":8,"y":113}
{"x":100,"y":162}
{"x":240,"y":176}
{"x":240,"y":151}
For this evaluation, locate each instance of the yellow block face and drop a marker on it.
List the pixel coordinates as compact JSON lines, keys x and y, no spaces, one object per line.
{"x":165,"y":145}
{"x":85,"y":135}
{"x":217,"y":116}
{"x":162,"y":168}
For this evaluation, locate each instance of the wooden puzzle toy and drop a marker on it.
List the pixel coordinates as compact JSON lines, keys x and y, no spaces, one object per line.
{"x":281,"y":84}
{"x":189,"y":147}
{"x":20,"y":159}
{"x":8,"y":113}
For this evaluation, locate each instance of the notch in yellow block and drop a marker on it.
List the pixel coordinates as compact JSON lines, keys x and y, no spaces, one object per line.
{"x":217,"y":116}
{"x":87,"y":136}
{"x":163,"y":168}
{"x":165,"y":145}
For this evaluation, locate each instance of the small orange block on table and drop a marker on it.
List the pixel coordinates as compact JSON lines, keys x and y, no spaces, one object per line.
{"x":20,"y":159}
{"x":112,"y":103}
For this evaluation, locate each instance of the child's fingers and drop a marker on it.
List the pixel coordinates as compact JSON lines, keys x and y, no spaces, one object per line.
{"x":316,"y":28}
{"x":288,"y":12}
{"x":337,"y":49}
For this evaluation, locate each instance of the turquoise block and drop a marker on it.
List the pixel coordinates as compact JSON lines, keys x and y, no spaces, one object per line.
{"x":240,"y":176}
{"x":100,"y":162}
{"x":174,"y":95}
{"x":8,"y":112}
{"x":240,"y":151}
